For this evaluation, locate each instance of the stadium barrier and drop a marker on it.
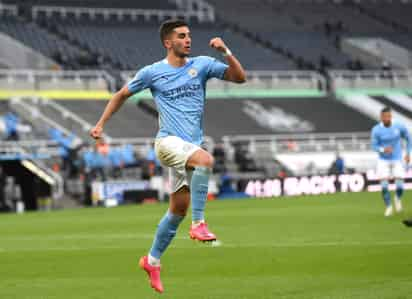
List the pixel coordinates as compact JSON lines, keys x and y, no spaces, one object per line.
{"x":112,"y":193}
{"x":196,"y":5}
{"x":371,"y":82}
{"x":28,"y":149}
{"x":56,"y":84}
{"x":121,"y":13}
{"x":260,"y":84}
{"x":317,"y":184}
{"x":311,"y":142}
{"x":8,"y":9}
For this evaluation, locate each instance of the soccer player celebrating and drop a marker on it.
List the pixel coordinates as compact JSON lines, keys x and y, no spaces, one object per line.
{"x":387,"y":141}
{"x":177,"y":84}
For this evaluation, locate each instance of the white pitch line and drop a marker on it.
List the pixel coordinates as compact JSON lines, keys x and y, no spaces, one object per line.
{"x":81,"y":237}
{"x":321,"y":244}
{"x":254,"y":245}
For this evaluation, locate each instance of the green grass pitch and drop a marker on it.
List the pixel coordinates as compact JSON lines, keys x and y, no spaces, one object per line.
{"x":331,"y":246}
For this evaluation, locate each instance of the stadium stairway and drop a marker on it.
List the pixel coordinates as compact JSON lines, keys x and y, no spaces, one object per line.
{"x":129,"y":121}
{"x":398,"y":102}
{"x":372,"y":106}
{"x":393,"y":13}
{"x":32,"y":35}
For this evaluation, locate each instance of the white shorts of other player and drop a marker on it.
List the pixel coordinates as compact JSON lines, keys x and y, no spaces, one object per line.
{"x":174,"y":152}
{"x":387,"y":169}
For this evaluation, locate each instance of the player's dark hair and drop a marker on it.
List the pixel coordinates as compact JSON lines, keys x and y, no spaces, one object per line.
{"x":386,"y":109}
{"x":168,"y":26}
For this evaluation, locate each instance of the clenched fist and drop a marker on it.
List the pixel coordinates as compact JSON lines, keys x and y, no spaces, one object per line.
{"x":96,"y":132}
{"x":218,"y":44}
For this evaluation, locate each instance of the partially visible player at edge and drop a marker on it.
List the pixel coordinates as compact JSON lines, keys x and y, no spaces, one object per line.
{"x":387,"y":142}
{"x":178,"y":84}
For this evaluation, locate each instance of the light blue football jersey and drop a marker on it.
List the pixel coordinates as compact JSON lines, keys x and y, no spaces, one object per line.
{"x":392,"y":136}
{"x":179,"y":93}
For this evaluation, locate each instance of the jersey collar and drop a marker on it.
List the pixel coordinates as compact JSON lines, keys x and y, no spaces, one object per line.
{"x":167,"y":62}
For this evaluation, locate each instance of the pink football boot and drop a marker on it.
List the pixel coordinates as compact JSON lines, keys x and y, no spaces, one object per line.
{"x":153,"y":272}
{"x":200,"y":232}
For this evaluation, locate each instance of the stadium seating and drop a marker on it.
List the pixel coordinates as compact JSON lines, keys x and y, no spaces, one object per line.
{"x":128,"y":122}
{"x":250,"y":117}
{"x":278,"y":35}
{"x":397,"y":13}
{"x":294,"y":115}
{"x":274,"y":116}
{"x":12,"y":122}
{"x":127,"y":45}
{"x":40,"y":40}
{"x":310,"y":31}
{"x":131,"y":45}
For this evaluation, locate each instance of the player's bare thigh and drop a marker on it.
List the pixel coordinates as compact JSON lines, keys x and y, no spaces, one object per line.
{"x":180,"y":201}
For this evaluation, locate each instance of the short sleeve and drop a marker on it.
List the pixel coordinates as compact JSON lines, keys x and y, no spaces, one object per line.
{"x":140,"y":81}
{"x":216,"y":69}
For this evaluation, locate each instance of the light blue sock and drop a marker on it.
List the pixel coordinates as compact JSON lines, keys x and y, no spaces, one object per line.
{"x":198,"y":192}
{"x":399,"y":188}
{"x":385,"y":193}
{"x":166,"y":230}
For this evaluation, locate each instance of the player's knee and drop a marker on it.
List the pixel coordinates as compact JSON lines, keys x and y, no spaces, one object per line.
{"x":399,"y":183}
{"x":207,"y":161}
{"x":201,"y":158}
{"x":384,"y":184}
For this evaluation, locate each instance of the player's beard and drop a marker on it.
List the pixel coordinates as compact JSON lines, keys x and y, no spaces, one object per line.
{"x":179,"y":52}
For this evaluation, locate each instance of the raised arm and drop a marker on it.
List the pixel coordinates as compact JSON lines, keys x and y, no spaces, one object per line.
{"x":114,"y":104}
{"x":235,"y":72}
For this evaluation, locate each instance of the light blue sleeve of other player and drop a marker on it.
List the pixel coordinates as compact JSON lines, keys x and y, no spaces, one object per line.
{"x":405,"y":134}
{"x":141,"y":80}
{"x":215,"y":68}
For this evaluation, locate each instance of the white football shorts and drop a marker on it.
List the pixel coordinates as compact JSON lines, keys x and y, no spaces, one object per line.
{"x":387,"y":169}
{"x":174,"y":152}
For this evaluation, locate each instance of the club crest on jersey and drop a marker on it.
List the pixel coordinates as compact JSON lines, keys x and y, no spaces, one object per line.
{"x":192,"y":73}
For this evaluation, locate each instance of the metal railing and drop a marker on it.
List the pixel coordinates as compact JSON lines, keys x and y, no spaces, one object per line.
{"x":120,"y":13}
{"x":371,"y":78}
{"x":31,"y":113}
{"x":70,"y":119}
{"x":196,"y":5}
{"x":265,"y":79}
{"x":8,"y":8}
{"x":80,"y":79}
{"x":268,"y":145}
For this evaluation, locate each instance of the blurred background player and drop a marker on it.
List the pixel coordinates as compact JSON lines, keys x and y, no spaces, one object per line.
{"x":178,"y":86}
{"x":387,"y":142}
